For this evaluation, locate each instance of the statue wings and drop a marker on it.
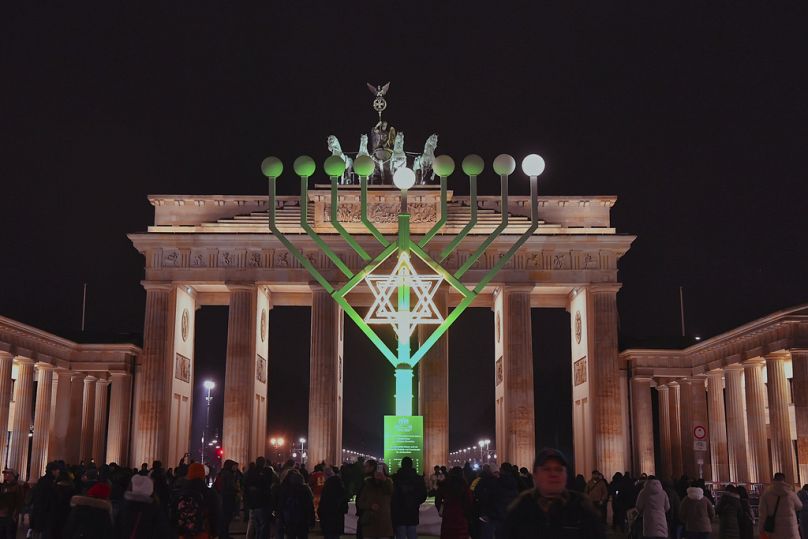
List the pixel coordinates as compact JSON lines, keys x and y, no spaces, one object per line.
{"x":378,"y":91}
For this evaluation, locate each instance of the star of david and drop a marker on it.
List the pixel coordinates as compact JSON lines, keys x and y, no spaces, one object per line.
{"x":385,"y":293}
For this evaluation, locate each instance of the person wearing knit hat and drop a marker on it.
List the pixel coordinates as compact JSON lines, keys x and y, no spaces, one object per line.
{"x":91,"y":515}
{"x":196,"y":471}
{"x":141,"y":515}
{"x":196,"y":506}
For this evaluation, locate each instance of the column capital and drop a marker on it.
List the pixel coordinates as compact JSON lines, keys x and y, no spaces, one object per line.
{"x":102,"y":381}
{"x":166,"y":286}
{"x":662,"y":387}
{"x":780,"y":355}
{"x":114,"y":374}
{"x":89,"y":379}
{"x":239,"y":285}
{"x":605,"y":288}
{"x":753,"y":362}
{"x":509,"y":289}
{"x":642,"y":379}
{"x":43,"y":366}
{"x":715,"y":373}
{"x":6,"y":355}
{"x":673,"y":384}
{"x":737,"y":367}
{"x":23,"y":360}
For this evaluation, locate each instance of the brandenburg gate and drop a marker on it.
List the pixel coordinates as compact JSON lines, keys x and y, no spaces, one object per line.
{"x":218,"y":250}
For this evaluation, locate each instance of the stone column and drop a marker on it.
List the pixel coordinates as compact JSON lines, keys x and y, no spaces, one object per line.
{"x":718,"y":426}
{"x":515,"y":426}
{"x":155,"y":374}
{"x":87,"y":419}
{"x":779,"y":420}
{"x":676,"y":431}
{"x":239,"y":374}
{"x":700,"y":417}
{"x":736,"y":425}
{"x":60,"y":418}
{"x":643,"y":422}
{"x":21,"y":422}
{"x":799,"y":385}
{"x":665,"y":459}
{"x":433,"y":392}
{"x":6,"y":383}
{"x":756,"y":416}
{"x":42,"y":419}
{"x":120,"y":407}
{"x":73,"y":445}
{"x":325,"y":410}
{"x":689,"y":465}
{"x":100,"y":422}
{"x":608,"y":406}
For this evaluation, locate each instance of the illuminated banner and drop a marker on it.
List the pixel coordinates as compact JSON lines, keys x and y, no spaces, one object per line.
{"x":404,"y":437}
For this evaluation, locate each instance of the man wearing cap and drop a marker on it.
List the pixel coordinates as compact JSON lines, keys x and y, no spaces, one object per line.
{"x":549,"y":510}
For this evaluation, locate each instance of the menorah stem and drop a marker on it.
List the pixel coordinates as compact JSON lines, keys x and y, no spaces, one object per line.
{"x":404,"y":391}
{"x":338,"y":226}
{"x":363,"y":203}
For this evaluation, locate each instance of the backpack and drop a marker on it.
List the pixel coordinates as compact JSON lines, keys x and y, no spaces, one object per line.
{"x":190,"y":513}
{"x":293,"y":510}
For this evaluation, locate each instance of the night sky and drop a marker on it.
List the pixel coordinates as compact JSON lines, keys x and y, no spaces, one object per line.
{"x":694,"y":116}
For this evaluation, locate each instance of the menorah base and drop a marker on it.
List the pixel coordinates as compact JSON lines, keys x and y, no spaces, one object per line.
{"x":404,"y":437}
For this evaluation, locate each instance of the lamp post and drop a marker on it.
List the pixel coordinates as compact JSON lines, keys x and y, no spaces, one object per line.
{"x":209,"y":385}
{"x":487,"y":452}
{"x":481,"y":443}
{"x":302,"y":449}
{"x":277,"y":444}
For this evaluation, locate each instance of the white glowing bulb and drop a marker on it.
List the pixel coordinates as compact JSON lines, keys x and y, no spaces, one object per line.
{"x":533,"y":165}
{"x":404,"y":178}
{"x":209,"y":384}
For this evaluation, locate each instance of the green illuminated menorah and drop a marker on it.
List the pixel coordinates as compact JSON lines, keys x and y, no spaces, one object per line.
{"x":403,"y":298}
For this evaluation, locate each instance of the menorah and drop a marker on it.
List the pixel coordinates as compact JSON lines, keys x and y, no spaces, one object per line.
{"x":403,"y":298}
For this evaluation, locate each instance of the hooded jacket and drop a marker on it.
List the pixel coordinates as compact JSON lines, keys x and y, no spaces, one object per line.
{"x":729,"y":512}
{"x":696,"y":511}
{"x":89,"y":518}
{"x":653,"y":503}
{"x":785,"y":521}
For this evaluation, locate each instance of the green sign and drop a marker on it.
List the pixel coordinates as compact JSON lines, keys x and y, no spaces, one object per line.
{"x":404,"y":437}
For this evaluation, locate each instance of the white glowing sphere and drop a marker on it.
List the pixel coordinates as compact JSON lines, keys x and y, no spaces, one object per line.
{"x":209,"y":384}
{"x":533,"y":165}
{"x":404,"y":178}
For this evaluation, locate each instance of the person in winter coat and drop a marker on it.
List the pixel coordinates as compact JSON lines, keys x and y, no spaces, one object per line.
{"x":141,"y":516}
{"x":653,"y":504}
{"x":43,"y":498}
{"x":729,"y":513}
{"x":333,"y":505}
{"x":90,"y":515}
{"x":195,"y":508}
{"x":598,"y":492}
{"x":257,"y":489}
{"x":453,"y":502}
{"x":409,"y":492}
{"x":785,"y":513}
{"x":295,"y":506}
{"x":377,"y":495}
{"x":697,"y":513}
{"x":549,"y":510}
{"x":802,"y":494}
{"x":747,"y":517}
{"x":227,"y":485}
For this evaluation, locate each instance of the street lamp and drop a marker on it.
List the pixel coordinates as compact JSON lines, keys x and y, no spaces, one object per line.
{"x":209,"y":385}
{"x":481,"y":443}
{"x":302,"y":449}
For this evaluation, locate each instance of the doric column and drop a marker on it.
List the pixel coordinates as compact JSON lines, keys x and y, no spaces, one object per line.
{"x":700,"y":417}
{"x":799,"y":385}
{"x":610,"y":452}
{"x":155,"y":374}
{"x":60,"y":416}
{"x":718,"y":426}
{"x":779,"y":420}
{"x":756,"y":416}
{"x":676,"y":431}
{"x":239,"y":374}
{"x":21,"y":422}
{"x":42,"y":419}
{"x":666,"y":461}
{"x":119,"y":410}
{"x":325,"y":386}
{"x":515,"y":427}
{"x":6,"y":383}
{"x":643,"y":422}
{"x":73,"y":445}
{"x":736,"y":425}
{"x":100,"y":422}
{"x":689,"y":465}
{"x":433,"y":392}
{"x":87,"y":419}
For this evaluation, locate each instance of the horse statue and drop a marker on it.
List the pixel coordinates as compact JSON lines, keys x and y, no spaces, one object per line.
{"x":422,"y":166}
{"x":335,"y":149}
{"x":399,"y":158}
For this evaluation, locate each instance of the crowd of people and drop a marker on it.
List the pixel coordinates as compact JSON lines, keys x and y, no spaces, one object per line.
{"x":285,"y":501}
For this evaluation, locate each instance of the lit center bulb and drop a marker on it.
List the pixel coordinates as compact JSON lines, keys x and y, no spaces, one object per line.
{"x":404,"y":178}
